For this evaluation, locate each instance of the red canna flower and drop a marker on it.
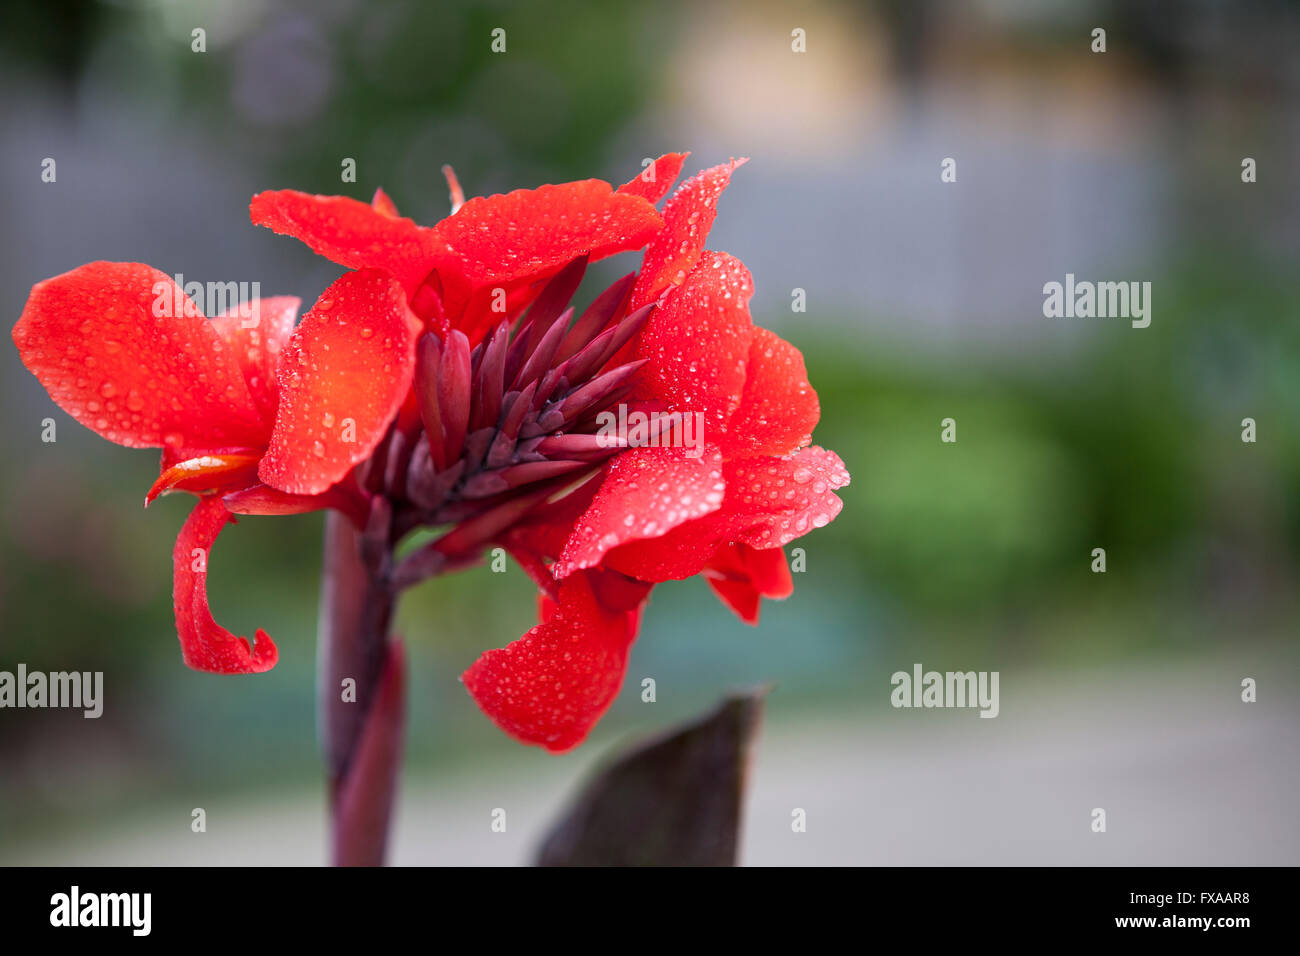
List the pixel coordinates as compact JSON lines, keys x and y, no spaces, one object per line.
{"x":446,"y":384}
{"x":506,"y":447}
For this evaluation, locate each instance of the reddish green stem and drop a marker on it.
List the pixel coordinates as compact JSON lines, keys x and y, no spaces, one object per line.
{"x":361,"y":678}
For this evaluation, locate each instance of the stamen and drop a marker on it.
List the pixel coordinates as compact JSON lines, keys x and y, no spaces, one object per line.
{"x":454,"y":384}
{"x":490,"y":449}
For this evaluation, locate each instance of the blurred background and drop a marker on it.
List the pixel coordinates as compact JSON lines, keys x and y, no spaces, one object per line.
{"x":924,"y":301}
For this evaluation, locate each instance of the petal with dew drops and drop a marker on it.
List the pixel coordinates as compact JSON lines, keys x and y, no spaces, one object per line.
{"x":121,"y":349}
{"x":206,"y":645}
{"x":688,"y":217}
{"x":780,"y":499}
{"x":646,"y":492}
{"x":257,"y":332}
{"x":681,"y":553}
{"x":769,"y":502}
{"x":550,"y":687}
{"x":530,"y":234}
{"x":343,"y":376}
{"x":653,"y":182}
{"x":779,"y":408}
{"x":352,"y":233}
{"x":697,"y":343}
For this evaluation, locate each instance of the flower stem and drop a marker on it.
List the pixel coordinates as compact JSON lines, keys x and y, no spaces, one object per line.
{"x":360,"y":723}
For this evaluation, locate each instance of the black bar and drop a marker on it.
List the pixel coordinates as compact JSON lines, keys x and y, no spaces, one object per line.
{"x":979,"y":905}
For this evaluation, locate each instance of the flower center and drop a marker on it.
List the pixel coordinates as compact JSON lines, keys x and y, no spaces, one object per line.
{"x":512,"y":422}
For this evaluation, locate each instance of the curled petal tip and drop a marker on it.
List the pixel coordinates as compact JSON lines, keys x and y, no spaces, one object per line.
{"x":206,"y":474}
{"x":206,"y":645}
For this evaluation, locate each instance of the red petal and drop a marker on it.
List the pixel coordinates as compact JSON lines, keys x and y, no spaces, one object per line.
{"x":546,"y":528}
{"x":551,"y":686}
{"x":137,"y":378}
{"x":697,"y":342}
{"x":653,"y":182}
{"x":343,"y":376}
{"x":681,"y":553}
{"x":779,"y":499}
{"x":205,"y":645}
{"x":257,"y":332}
{"x":646,"y":492}
{"x":530,"y":234}
{"x":546,"y":607}
{"x":206,"y":473}
{"x":484,"y":309}
{"x":262,"y":499}
{"x":351,"y":233}
{"x":768,"y":571}
{"x":769,"y":502}
{"x":778,"y":409}
{"x":618,"y":592}
{"x":740,"y":575}
{"x":740,"y":596}
{"x":688,"y":217}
